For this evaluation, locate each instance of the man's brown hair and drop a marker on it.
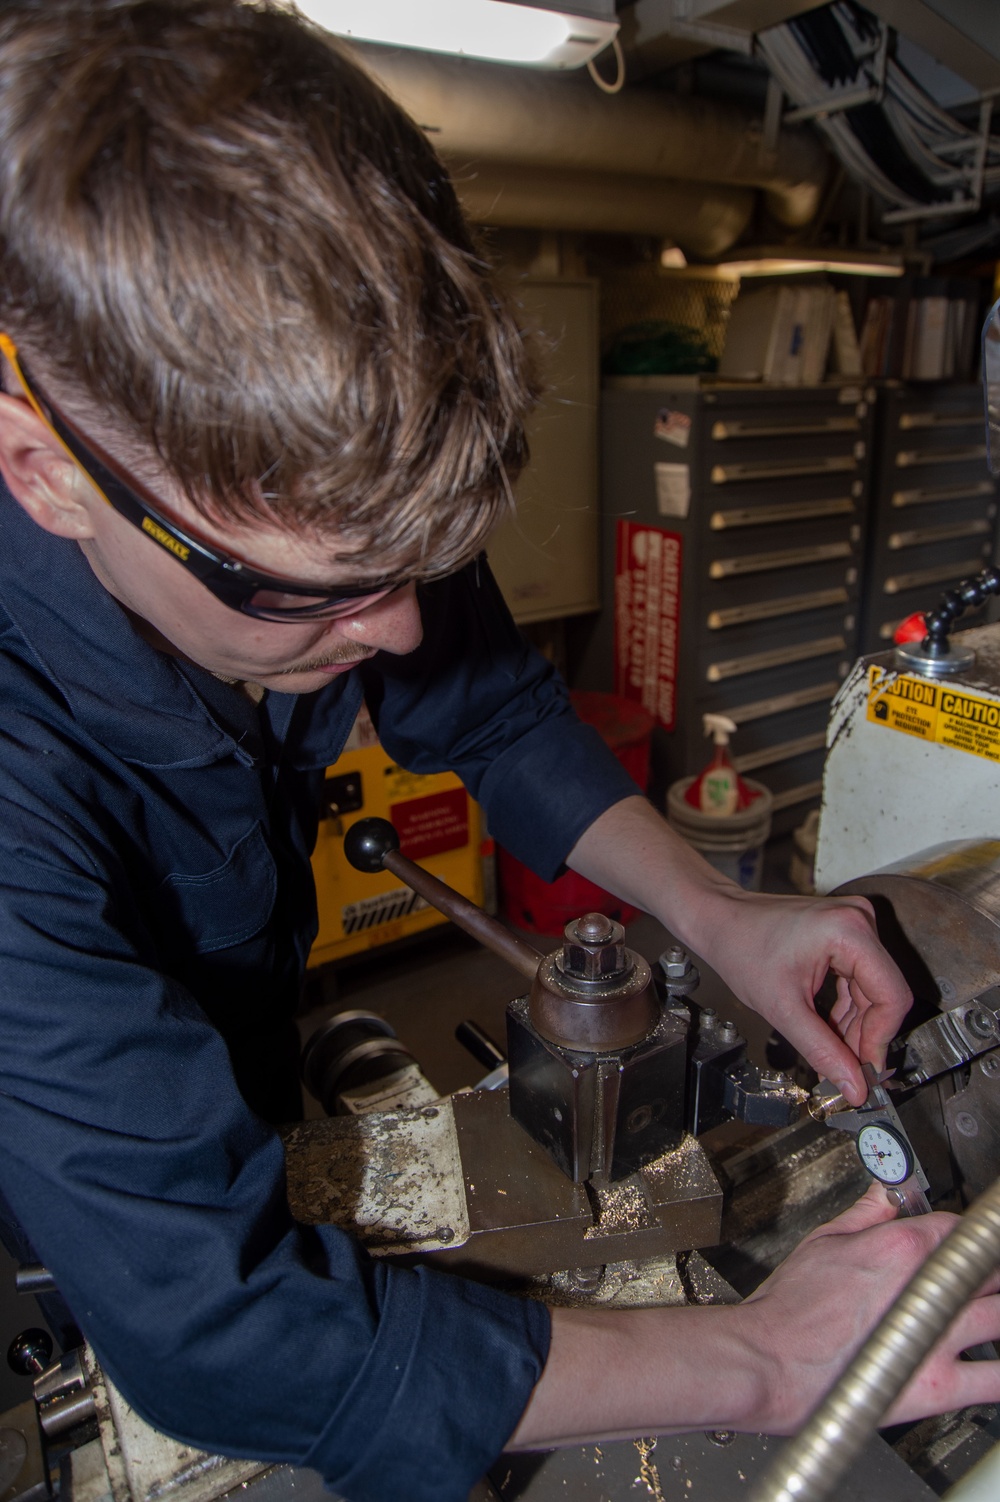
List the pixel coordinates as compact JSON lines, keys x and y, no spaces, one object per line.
{"x":219,"y":229}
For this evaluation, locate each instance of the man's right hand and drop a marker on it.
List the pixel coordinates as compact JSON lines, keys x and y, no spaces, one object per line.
{"x":761,"y":1366}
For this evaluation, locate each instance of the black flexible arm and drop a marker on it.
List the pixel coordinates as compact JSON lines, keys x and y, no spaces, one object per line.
{"x":954,"y":602}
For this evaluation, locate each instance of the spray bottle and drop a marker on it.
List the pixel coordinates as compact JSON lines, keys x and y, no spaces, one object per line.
{"x":719,"y":788}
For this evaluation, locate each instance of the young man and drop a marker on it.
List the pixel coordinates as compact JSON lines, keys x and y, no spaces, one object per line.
{"x":261,"y":404}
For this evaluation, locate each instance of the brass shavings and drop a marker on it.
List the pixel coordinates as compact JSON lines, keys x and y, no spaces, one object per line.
{"x":648,"y":1474}
{"x":620,"y":1207}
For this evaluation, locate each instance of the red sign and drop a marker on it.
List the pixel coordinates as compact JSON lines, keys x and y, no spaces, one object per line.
{"x":647,"y":617}
{"x":433,"y":824}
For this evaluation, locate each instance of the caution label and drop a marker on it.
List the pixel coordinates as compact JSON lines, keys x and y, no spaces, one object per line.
{"x":935,"y":712}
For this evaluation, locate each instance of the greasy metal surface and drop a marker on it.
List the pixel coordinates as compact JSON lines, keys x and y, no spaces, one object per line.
{"x":687,"y":1468}
{"x":952,"y":1038}
{"x":526,"y":1217}
{"x":598,"y":1114}
{"x":392,"y":1178}
{"x":777,"y":1191}
{"x":972,"y":1117}
{"x":938,"y":914}
{"x":600,"y":1015}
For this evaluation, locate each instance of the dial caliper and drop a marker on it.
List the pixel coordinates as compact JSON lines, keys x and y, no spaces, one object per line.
{"x":881,"y":1140}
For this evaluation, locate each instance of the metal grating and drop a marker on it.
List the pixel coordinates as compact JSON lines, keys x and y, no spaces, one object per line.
{"x":647,"y":294}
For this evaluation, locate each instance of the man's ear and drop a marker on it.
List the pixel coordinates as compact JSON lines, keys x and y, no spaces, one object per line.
{"x":40,"y":475}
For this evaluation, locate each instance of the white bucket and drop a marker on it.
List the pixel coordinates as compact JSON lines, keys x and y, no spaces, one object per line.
{"x":732,"y":843}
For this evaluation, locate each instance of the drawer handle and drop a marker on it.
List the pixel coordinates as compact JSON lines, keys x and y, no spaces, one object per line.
{"x":946,"y":573}
{"x":783,"y":752}
{"x":969,"y":417}
{"x":767,"y":610}
{"x":921,"y":497}
{"x":841,"y":424}
{"x":923,"y":535}
{"x":758,"y":563}
{"x":791,"y":796}
{"x":725,"y":474}
{"x":797,"y":511}
{"x":907,"y":458}
{"x":762,"y":709}
{"x":738,"y":667}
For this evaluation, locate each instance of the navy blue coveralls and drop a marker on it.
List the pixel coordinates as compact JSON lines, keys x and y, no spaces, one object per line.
{"x":156,"y":910}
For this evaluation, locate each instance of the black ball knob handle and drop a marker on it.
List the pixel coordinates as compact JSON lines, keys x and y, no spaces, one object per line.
{"x":368,"y":842}
{"x":30,"y":1352}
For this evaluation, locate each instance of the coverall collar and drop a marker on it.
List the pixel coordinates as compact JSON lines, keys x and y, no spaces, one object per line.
{"x":87,"y":646}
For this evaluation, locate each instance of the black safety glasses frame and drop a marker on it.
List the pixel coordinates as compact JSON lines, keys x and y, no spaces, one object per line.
{"x":266,"y":597}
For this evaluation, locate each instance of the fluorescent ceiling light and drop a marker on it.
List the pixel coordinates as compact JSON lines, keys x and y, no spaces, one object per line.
{"x":778,"y":263}
{"x":499,"y":30}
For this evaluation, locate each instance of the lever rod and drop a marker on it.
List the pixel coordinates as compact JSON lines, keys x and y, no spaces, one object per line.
{"x":373,"y":845}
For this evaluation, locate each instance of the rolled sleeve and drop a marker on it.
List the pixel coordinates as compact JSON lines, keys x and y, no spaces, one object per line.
{"x":440,"y":1392}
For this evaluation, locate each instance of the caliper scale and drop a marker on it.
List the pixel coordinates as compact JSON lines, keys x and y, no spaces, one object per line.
{"x":881,"y":1141}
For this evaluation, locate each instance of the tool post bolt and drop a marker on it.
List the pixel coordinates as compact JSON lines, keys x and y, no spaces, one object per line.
{"x":594,"y":949}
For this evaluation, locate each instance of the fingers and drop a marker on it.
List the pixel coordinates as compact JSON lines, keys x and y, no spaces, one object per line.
{"x":876,"y":997}
{"x":946,"y":1380}
{"x":832,"y":1058}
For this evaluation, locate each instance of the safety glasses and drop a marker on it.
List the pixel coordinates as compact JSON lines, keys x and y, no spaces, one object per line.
{"x":267,"y":597}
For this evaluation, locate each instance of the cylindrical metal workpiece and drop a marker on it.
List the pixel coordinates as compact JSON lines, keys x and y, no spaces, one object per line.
{"x":64,"y":1414}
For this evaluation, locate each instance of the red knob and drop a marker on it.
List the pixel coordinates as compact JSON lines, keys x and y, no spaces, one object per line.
{"x":914,"y":628}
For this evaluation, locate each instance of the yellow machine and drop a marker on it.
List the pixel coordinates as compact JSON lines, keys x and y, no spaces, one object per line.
{"x":439,"y":825}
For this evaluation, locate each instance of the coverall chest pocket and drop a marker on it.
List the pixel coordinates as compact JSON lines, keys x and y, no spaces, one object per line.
{"x":229,"y":904}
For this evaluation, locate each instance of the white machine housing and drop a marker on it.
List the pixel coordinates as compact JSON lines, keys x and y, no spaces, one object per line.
{"x":912,"y":762}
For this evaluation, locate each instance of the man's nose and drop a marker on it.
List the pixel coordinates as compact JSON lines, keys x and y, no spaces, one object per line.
{"x":391,"y":624}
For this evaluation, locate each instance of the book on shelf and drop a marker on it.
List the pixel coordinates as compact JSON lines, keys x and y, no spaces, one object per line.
{"x":780,"y":334}
{"x":924,"y":331}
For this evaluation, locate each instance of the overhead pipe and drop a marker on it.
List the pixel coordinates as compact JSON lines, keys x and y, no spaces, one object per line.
{"x":478,"y":113}
{"x":704,"y":220}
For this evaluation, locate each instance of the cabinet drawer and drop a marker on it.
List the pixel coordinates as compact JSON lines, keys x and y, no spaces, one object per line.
{"x":777,"y":560}
{"x":928,"y":495}
{"x":777,"y":607}
{"x":935,"y":576}
{"x":734,"y":518}
{"x":794,"y":778}
{"x":937,"y":421}
{"x":751,"y":471}
{"x":920,"y":458}
{"x":815,"y":696}
{"x":809,"y":425}
{"x":750,"y":763}
{"x":718,"y":666}
{"x":917,"y":537}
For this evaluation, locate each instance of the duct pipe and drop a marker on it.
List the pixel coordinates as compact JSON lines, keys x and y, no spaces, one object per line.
{"x":703,"y":221}
{"x":487,"y":113}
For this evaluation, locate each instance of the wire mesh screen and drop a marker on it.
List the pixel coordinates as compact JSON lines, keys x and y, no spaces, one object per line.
{"x":690,"y":311}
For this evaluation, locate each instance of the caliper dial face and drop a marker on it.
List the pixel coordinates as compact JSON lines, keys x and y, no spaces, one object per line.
{"x":885,"y":1153}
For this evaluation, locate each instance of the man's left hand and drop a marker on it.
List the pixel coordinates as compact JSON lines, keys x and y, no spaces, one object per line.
{"x":773,"y":952}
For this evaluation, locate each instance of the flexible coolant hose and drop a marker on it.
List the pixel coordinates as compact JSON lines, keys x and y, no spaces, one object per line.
{"x":812,"y":1463}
